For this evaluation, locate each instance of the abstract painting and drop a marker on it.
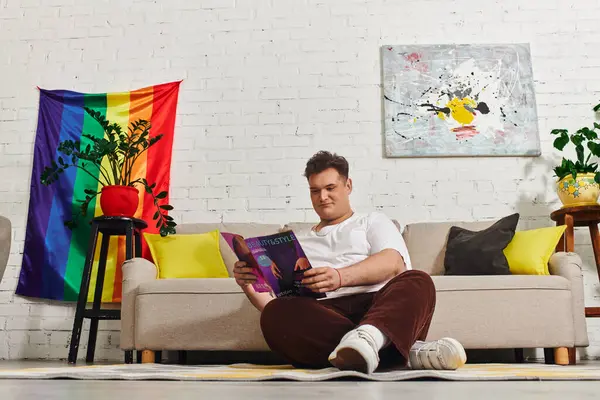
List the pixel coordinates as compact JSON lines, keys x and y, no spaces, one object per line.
{"x":459,"y":100}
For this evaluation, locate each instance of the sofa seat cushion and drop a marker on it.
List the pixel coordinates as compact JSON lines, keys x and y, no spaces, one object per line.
{"x":190,"y":286}
{"x":499,"y":282}
{"x":196,"y":314}
{"x":480,"y":311}
{"x":503,"y":311}
{"x":442,"y":284}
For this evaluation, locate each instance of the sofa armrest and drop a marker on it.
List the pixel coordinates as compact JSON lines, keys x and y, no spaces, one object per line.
{"x":5,"y":243}
{"x":569,"y":266}
{"x":135,"y":272}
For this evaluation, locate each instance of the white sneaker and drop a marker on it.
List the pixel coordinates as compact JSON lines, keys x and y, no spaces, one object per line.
{"x":445,"y":353}
{"x":357,"y":351}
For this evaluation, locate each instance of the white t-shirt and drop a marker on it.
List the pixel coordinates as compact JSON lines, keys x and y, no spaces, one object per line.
{"x":350,"y":242}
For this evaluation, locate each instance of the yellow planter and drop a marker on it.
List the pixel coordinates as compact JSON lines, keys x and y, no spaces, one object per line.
{"x":582,"y":191}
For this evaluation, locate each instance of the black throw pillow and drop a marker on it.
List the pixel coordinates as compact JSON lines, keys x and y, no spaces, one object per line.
{"x":480,"y":253}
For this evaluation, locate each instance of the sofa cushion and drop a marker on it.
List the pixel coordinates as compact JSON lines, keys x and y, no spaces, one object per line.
{"x":245,"y":229}
{"x":480,"y":252}
{"x":442,"y":284}
{"x":529,"y":251}
{"x":499,"y":282}
{"x":503,"y":311}
{"x":190,"y":286}
{"x":187,"y":255}
{"x":426,"y":242}
{"x":210,"y":317}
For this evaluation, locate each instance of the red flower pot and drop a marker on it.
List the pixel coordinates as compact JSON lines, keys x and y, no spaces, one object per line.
{"x":119,"y":201}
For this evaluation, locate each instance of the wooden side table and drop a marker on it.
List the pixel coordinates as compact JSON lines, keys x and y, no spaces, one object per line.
{"x":580,"y":216}
{"x":108,"y":226}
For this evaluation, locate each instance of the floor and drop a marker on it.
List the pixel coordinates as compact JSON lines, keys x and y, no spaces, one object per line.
{"x":92,"y":390}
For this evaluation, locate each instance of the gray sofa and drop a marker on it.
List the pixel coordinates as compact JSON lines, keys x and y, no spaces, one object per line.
{"x":5,"y":243}
{"x":482,"y":312}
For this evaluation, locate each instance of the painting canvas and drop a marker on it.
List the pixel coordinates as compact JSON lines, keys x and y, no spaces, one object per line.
{"x":459,"y":100}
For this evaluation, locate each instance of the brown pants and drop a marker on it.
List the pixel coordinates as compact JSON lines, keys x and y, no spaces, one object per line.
{"x":305,"y":331}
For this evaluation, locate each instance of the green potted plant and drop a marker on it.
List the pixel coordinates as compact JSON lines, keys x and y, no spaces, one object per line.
{"x":578,"y":180}
{"x":110,"y":161}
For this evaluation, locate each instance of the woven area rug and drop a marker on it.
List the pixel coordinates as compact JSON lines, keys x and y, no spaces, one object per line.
{"x":250,"y":372}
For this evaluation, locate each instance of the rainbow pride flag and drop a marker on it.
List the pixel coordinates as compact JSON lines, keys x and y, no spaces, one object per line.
{"x":54,"y":255}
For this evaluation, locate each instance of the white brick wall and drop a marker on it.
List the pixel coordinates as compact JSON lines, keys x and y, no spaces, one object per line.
{"x":266,"y":84}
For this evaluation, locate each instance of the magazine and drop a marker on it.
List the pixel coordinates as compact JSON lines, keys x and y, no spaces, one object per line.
{"x":278,"y":262}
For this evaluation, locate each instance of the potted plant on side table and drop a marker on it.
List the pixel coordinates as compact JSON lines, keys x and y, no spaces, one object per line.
{"x":578,"y":180}
{"x":110,"y":161}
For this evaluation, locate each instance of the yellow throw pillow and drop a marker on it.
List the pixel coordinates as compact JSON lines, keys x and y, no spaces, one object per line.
{"x":529,"y":251}
{"x":187,"y":255}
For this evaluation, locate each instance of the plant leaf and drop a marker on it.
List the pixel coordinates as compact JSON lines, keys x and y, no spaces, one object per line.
{"x":590,"y":134}
{"x":116,"y":147}
{"x":580,"y":156}
{"x":594,"y":148}
{"x":166,"y":207}
{"x":577,"y":139}
{"x":597,"y":108}
{"x":586,"y":132}
{"x":561,"y":141}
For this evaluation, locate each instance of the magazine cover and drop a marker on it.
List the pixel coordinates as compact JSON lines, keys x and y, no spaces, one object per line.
{"x":278,"y":262}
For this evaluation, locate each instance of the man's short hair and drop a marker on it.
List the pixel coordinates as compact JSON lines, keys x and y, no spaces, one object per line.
{"x":324,"y":160}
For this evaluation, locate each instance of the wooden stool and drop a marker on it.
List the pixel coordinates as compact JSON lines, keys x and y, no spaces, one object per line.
{"x":571,"y":217}
{"x":108,"y":226}
{"x":580,"y":216}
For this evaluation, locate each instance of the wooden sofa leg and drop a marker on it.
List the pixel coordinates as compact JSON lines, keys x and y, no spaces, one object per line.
{"x":572,"y":355}
{"x":561,"y":356}
{"x":148,"y":357}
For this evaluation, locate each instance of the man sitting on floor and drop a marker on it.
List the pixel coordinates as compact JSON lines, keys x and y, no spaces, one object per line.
{"x":377,"y":310}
